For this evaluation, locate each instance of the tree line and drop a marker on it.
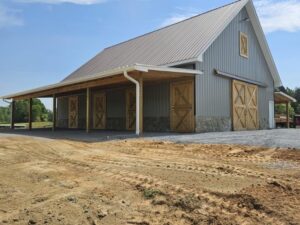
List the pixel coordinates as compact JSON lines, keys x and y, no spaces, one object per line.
{"x":21,"y":115}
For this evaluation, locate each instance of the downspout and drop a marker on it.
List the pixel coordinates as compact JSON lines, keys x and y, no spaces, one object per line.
{"x":137,"y":114}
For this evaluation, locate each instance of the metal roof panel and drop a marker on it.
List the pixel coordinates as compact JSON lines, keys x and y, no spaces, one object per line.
{"x":178,"y":42}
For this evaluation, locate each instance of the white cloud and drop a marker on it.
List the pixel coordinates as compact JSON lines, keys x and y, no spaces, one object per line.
{"x":176,"y":18}
{"x":279,"y":15}
{"x":9,"y":17}
{"x":79,"y":2}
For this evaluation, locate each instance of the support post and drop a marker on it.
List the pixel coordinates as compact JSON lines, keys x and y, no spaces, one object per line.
{"x":30,"y":115}
{"x":141,"y":100}
{"x":287,"y":115}
{"x":88,"y":99}
{"x":54,"y":113}
{"x":12,"y":114}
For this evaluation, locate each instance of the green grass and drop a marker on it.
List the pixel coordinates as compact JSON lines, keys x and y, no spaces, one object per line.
{"x":34,"y":125}
{"x":151,"y":193}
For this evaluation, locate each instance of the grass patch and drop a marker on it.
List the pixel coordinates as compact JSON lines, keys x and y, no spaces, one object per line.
{"x":151,"y":193}
{"x":25,"y":125}
{"x":42,"y":124}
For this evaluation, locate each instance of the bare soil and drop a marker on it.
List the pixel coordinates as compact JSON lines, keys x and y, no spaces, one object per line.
{"x":143,"y":182}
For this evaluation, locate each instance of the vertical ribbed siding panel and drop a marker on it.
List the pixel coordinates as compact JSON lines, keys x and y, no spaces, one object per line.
{"x":213,"y":97}
{"x":116,"y":103}
{"x":157,"y":100}
{"x":62,"y":112}
{"x":82,"y":111}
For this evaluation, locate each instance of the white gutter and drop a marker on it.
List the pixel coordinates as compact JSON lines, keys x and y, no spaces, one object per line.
{"x":286,"y":96}
{"x":137,"y":110}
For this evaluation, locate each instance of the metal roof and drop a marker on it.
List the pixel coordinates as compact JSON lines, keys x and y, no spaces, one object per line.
{"x":179,"y":42}
{"x":105,"y":74}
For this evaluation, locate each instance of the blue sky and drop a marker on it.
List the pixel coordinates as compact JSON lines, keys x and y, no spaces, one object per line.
{"x":42,"y":41}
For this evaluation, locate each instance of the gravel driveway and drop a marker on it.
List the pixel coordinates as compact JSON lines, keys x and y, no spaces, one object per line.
{"x":286,"y":138}
{"x":289,"y":138}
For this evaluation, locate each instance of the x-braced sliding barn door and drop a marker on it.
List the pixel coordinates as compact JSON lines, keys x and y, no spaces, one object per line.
{"x":130,"y":108}
{"x":99,"y":115}
{"x":245,"y":106}
{"x":182,"y":106}
{"x":73,"y":112}
{"x":252,"y":107}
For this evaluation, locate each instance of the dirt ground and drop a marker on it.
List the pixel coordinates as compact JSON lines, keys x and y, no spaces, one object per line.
{"x":143,"y":182}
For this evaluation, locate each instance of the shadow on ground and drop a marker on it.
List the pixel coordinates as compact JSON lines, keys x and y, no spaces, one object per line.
{"x":80,"y":135}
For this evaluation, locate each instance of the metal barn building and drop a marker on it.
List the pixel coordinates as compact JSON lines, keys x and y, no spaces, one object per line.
{"x":212,"y":72}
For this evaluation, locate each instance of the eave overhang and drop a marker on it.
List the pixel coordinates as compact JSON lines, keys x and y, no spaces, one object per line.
{"x":112,"y":76}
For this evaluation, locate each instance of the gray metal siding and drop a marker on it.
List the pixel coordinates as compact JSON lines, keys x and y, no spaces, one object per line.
{"x":62,"y":112}
{"x":157,"y":107}
{"x":116,"y":103}
{"x":82,"y":111}
{"x":213,"y":94}
{"x":157,"y":100}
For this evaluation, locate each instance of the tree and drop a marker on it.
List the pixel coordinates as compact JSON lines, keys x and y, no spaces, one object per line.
{"x":297,"y":94}
{"x":50,"y":115}
{"x":4,"y":114}
{"x":36,"y":113}
{"x":39,"y":112}
{"x":21,"y":111}
{"x":296,"y":105}
{"x":280,"y":109}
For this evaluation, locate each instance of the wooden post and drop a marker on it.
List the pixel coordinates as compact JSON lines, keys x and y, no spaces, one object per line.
{"x":54,"y":113}
{"x":12,"y":115}
{"x":141,"y":112}
{"x":287,"y":115}
{"x":30,"y":115}
{"x":88,"y":97}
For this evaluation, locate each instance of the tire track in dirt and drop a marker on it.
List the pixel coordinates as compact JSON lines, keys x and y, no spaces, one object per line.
{"x":127,"y":177}
{"x":167,"y":166}
{"x":241,"y":171}
{"x":242,"y":154}
{"x":194,"y":167}
{"x":215,"y":204}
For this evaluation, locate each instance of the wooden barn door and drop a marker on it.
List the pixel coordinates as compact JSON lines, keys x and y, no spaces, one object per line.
{"x":99,"y":112}
{"x":182,"y":106}
{"x":73,"y":112}
{"x":245,"y":106}
{"x":252,"y":107}
{"x":130,"y":109}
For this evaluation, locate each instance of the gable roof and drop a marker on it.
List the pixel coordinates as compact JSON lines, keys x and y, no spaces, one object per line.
{"x":185,"y":41}
{"x":182,"y":41}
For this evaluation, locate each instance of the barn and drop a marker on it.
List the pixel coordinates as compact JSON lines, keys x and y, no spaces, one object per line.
{"x":211,"y":72}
